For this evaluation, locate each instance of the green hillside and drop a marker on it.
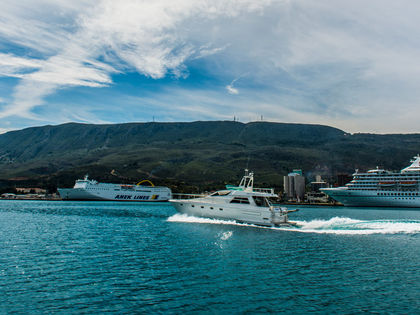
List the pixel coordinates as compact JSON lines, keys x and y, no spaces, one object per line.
{"x":192,"y":156}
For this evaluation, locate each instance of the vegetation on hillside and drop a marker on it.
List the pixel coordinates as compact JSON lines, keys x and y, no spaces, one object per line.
{"x":192,"y":156}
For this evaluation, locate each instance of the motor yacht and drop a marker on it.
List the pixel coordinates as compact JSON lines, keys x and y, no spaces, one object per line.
{"x":243,"y":204}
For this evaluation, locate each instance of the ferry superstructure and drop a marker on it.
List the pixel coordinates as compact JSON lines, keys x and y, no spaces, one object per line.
{"x":243,"y":203}
{"x":381,"y":188}
{"x":87,"y":189}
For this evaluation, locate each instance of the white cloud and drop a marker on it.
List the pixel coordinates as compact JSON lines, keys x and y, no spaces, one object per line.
{"x":12,"y":66}
{"x":144,"y":35}
{"x":208,"y":50}
{"x":231,"y":89}
{"x":349,"y":64}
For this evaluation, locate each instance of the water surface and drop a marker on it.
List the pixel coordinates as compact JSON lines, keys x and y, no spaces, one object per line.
{"x":95,"y":257}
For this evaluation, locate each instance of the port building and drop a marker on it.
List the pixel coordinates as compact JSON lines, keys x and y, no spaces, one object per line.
{"x":294,"y":186}
{"x":315,"y":195}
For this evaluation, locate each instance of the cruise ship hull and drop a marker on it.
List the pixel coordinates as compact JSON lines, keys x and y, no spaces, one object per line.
{"x":242,"y":214}
{"x":374,"y":198}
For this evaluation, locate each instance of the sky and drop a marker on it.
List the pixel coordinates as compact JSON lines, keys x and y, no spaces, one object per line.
{"x":353,"y":65}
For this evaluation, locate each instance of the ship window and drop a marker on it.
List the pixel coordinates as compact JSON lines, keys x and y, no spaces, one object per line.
{"x":192,"y":206}
{"x":240,"y":200}
{"x":211,"y":208}
{"x":260,"y":201}
{"x":202,"y":207}
{"x":221,"y":209}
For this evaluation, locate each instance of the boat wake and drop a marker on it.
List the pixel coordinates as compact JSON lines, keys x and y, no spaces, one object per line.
{"x":191,"y":219}
{"x":335,"y":225}
{"x":339,"y":225}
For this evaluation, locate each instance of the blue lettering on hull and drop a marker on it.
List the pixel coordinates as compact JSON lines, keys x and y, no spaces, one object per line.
{"x":141,"y":197}
{"x":125,"y":197}
{"x":128,"y":197}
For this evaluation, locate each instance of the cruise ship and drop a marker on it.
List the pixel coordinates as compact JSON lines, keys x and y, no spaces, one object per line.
{"x":381,"y":188}
{"x":87,"y":189}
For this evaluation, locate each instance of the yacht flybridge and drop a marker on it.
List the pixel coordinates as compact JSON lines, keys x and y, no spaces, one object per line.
{"x":243,"y":203}
{"x":381,"y":188}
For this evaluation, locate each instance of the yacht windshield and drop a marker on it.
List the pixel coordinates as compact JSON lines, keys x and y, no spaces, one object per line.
{"x":261,"y":201}
{"x":221,"y":193}
{"x":240,"y":200}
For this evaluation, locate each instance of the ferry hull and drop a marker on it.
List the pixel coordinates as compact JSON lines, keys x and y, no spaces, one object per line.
{"x":357,"y":198}
{"x":86,"y":189}
{"x":83,"y":194}
{"x":228,"y":212}
{"x":77,"y":194}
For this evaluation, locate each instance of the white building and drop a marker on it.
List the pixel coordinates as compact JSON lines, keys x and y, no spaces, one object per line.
{"x":294,"y":186}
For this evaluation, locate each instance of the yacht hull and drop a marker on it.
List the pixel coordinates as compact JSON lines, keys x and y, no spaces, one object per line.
{"x":242,"y":214}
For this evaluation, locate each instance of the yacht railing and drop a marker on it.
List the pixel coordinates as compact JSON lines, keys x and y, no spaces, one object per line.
{"x":264,"y":190}
{"x":187,"y":196}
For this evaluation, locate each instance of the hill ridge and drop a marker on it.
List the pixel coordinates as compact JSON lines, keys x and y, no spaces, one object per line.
{"x":201,"y":152}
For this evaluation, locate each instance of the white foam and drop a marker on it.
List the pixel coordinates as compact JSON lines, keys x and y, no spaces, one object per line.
{"x":335,"y":225}
{"x":178,"y":217}
{"x":339,"y":225}
{"x":226,"y":235}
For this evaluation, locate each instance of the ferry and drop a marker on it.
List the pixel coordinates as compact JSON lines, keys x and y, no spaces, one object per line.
{"x":243,"y":204}
{"x":381,"y":188}
{"x":87,"y":189}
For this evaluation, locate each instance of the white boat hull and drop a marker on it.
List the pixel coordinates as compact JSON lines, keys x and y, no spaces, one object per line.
{"x":360,"y":198}
{"x":242,"y":214}
{"x":146,"y":195}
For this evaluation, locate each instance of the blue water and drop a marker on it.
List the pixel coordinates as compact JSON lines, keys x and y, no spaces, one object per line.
{"x":96,"y":257}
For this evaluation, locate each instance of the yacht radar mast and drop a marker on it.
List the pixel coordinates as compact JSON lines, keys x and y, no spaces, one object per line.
{"x":247,"y":182}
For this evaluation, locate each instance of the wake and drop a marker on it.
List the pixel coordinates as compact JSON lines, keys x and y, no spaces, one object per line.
{"x":335,"y":225}
{"x":338,"y":225}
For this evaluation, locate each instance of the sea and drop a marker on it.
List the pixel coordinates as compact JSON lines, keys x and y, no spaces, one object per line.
{"x":142,"y":258}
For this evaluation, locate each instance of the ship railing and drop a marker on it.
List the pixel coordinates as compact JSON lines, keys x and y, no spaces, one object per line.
{"x":187,"y":196}
{"x":264,"y":190}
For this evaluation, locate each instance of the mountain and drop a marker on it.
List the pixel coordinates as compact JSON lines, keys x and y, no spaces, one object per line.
{"x":199,"y":155}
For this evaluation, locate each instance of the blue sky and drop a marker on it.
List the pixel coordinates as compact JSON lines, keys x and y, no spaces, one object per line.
{"x":348,"y":64}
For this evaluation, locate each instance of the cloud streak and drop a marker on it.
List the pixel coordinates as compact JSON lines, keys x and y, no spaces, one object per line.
{"x":306,"y":61}
{"x":126,"y":34}
{"x":231,"y":89}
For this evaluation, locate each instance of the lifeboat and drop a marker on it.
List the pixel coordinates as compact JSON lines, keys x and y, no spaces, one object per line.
{"x":408,"y":183}
{"x":386,"y":184}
